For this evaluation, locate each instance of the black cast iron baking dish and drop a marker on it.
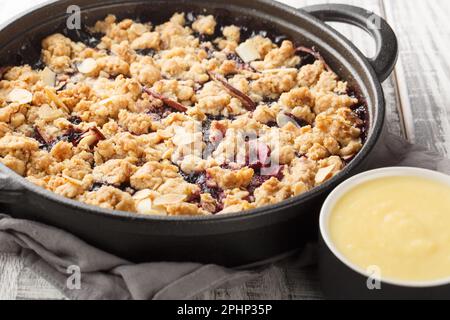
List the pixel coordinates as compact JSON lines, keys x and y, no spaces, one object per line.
{"x":231,"y":240}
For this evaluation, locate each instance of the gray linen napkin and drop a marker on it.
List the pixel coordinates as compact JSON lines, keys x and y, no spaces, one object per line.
{"x":50,"y":252}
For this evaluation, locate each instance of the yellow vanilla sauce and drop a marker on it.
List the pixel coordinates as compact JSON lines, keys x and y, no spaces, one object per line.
{"x":399,"y":224}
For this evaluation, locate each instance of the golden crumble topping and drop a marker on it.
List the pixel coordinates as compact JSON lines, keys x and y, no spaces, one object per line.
{"x":189,"y":117}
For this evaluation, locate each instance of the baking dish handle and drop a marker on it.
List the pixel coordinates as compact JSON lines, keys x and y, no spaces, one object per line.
{"x":386,"y":41}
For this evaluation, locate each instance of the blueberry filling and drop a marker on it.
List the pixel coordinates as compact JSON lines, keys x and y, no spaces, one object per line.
{"x":269,"y":100}
{"x":83,"y":35}
{"x":278,"y":40}
{"x":126,"y":187}
{"x":234,"y":57}
{"x":159,"y":113}
{"x":262,"y":173}
{"x":258,"y":155}
{"x":76,"y":120}
{"x":239,"y":62}
{"x":361,"y":112}
{"x":205,"y":37}
{"x":314,"y":54}
{"x":39,"y":137}
{"x":29,"y":54}
{"x":72,"y":135}
{"x":210,"y":141}
{"x":62,"y":86}
{"x":146,"y":52}
{"x":210,"y":146}
{"x":194,"y":198}
{"x":96,"y":186}
{"x":259,"y":179}
{"x":38,"y":65}
{"x":206,"y":186}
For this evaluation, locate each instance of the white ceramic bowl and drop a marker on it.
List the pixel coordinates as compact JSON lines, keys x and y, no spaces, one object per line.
{"x":330,"y":257}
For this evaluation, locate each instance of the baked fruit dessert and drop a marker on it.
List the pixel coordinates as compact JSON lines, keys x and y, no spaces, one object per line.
{"x":184,"y":118}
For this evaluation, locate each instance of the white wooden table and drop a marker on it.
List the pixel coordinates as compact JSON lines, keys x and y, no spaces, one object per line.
{"x":418,"y":101}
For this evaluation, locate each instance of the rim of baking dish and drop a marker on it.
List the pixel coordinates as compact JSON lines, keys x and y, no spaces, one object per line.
{"x":375,"y":125}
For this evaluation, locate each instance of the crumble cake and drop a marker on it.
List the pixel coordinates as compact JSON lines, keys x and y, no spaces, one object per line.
{"x":183,"y":118}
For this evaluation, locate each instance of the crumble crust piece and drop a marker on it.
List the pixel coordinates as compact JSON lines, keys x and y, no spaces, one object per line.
{"x":184,"y":118}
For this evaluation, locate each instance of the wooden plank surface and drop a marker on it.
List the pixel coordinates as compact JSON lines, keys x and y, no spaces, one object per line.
{"x":416,"y":96}
{"x":424,"y":69}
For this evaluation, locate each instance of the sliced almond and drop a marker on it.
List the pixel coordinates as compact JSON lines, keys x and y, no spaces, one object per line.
{"x":348,"y":157}
{"x":165,"y":134}
{"x":145,"y":206}
{"x":105,"y":102}
{"x":248,"y":52}
{"x":56,"y":100}
{"x":167,"y":154}
{"x":47,"y":113}
{"x":183,"y":139}
{"x":324,"y":174}
{"x":109,"y":100}
{"x":169,"y":199}
{"x":48,"y":77}
{"x":143,"y":194}
{"x":87,"y":66}
{"x":21,"y":96}
{"x":283,"y":119}
{"x":87,"y":141}
{"x":279,"y":70}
